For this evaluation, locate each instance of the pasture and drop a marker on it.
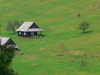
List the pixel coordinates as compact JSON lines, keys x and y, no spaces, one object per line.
{"x":64,"y":49}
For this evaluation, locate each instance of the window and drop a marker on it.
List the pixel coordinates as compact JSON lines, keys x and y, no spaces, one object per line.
{"x":24,"y":33}
{"x":32,"y":33}
{"x":19,"y":32}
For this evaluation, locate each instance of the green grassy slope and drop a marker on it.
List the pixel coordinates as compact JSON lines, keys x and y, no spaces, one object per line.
{"x":59,"y":21}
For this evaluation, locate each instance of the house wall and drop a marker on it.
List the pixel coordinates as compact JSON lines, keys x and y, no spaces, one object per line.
{"x":35,"y":33}
{"x":28,"y":34}
{"x":11,"y":42}
{"x":22,"y":34}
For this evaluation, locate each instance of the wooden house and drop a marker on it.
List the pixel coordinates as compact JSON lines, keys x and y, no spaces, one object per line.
{"x":28,"y":29}
{"x":8,"y":41}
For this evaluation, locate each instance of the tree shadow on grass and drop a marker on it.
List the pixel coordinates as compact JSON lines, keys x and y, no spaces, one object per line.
{"x":18,"y":49}
{"x":18,"y":52}
{"x":42,"y":35}
{"x":12,"y":33}
{"x":87,"y":32}
{"x":37,"y":36}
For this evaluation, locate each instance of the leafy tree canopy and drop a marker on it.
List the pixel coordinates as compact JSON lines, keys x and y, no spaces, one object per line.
{"x":12,"y":25}
{"x":84,"y":25}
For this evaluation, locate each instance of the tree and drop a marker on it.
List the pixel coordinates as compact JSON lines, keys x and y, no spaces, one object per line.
{"x":84,"y":25}
{"x":12,"y":25}
{"x":6,"y":56}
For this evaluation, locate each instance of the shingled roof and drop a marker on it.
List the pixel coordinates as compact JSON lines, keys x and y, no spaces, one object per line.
{"x":26,"y":27}
{"x":4,"y":40}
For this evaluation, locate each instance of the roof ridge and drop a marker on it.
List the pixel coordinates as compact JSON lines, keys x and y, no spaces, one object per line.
{"x":4,"y":37}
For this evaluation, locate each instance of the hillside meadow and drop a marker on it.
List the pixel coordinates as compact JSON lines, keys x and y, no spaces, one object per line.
{"x":64,"y":49}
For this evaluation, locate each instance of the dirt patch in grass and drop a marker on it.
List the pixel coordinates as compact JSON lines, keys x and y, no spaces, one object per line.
{"x":57,"y":54}
{"x":93,"y":54}
{"x":42,"y":48}
{"x":65,"y":53}
{"x":93,"y":7}
{"x":30,"y":56}
{"x":61,"y":54}
{"x":78,"y":54}
{"x":53,"y":54}
{"x":71,"y":53}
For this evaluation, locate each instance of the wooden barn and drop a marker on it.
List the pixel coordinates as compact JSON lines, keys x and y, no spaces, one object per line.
{"x":28,"y":29}
{"x":8,"y":41}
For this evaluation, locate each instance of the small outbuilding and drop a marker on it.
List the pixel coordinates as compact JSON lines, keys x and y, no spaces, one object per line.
{"x":28,"y":29}
{"x":8,"y":41}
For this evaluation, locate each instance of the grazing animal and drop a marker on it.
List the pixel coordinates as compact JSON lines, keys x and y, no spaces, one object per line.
{"x":78,"y":15}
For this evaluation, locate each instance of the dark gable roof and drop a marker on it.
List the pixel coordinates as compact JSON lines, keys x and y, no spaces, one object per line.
{"x":29,"y":27}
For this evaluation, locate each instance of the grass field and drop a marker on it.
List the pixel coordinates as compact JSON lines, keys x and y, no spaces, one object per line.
{"x":64,"y":49}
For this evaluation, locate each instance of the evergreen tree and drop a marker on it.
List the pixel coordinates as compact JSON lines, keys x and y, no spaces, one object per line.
{"x":6,"y":56}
